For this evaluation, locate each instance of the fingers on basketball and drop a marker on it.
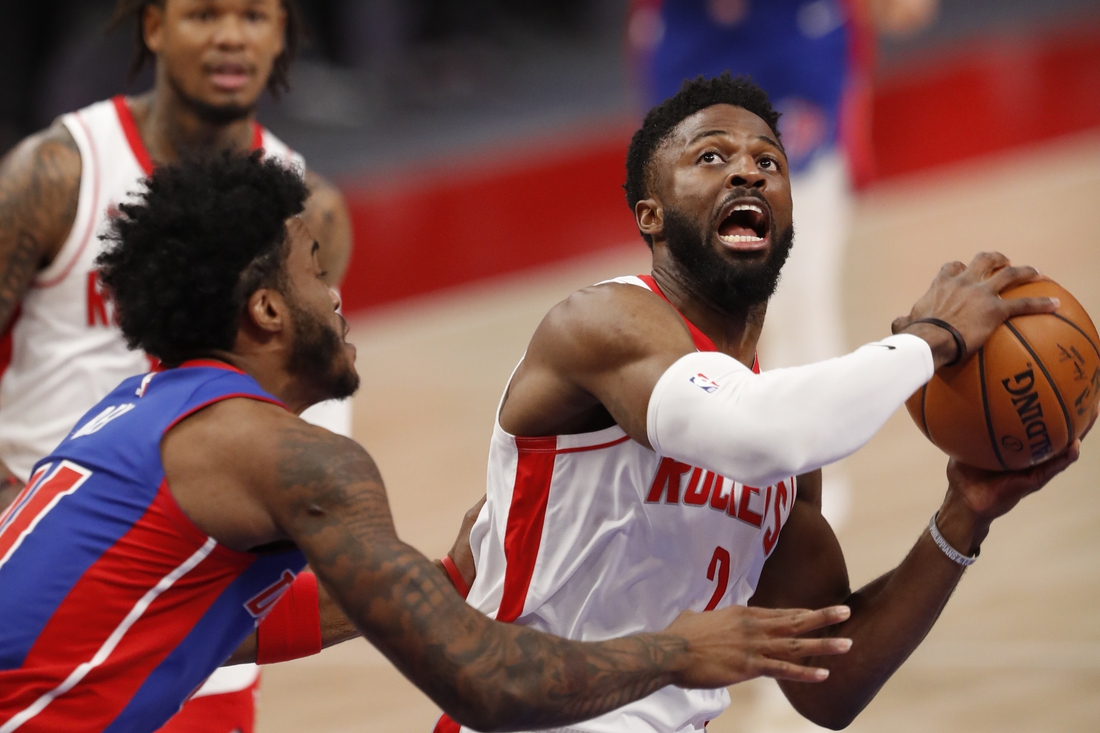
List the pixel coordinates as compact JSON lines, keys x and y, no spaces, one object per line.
{"x":985,"y":263}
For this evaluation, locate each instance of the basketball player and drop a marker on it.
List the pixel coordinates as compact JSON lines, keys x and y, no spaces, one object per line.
{"x":157,"y":535}
{"x":815,"y":59}
{"x":213,"y":60}
{"x":639,"y":466}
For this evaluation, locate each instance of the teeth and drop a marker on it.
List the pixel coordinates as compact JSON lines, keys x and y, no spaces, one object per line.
{"x":734,"y":238}
{"x":748,"y":207}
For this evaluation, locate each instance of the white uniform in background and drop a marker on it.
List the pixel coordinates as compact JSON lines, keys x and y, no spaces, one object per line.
{"x":66,"y":352}
{"x":593,"y":536}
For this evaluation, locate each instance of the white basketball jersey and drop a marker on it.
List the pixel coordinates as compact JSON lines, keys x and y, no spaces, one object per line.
{"x":66,"y":352}
{"x":593,"y":536}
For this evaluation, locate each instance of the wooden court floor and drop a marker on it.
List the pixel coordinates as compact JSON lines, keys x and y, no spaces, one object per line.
{"x":1018,"y":647}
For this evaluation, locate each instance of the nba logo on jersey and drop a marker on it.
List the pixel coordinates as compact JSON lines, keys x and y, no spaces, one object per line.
{"x":704,"y":383}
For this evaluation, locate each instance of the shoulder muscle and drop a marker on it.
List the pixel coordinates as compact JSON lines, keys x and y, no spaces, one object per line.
{"x":607,"y":346}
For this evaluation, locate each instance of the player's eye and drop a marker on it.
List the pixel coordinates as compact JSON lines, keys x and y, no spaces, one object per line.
{"x":710,"y":157}
{"x":768,"y":163}
{"x":255,"y":16}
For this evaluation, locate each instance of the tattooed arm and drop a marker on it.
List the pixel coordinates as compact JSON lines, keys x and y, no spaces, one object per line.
{"x":249,"y":473}
{"x":329,"y":497}
{"x":39,"y":186}
{"x":326,"y":215}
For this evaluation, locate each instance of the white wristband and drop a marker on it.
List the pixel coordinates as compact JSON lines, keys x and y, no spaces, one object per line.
{"x":951,"y":552}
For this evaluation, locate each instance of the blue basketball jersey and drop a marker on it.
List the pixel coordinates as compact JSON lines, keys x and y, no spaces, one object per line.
{"x":114,"y":606}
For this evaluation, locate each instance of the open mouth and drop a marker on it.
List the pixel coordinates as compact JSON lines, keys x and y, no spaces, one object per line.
{"x":229,"y":76}
{"x":745,"y":225}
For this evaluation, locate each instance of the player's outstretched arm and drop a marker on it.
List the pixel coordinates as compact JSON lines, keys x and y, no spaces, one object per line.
{"x":892,"y":614}
{"x":619,"y":353}
{"x":327,"y":495}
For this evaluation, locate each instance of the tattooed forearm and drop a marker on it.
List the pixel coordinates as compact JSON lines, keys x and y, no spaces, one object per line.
{"x":488,"y":675}
{"x":20,"y":262}
{"x":39,"y":190}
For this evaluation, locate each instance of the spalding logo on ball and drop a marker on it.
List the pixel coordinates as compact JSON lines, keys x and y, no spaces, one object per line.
{"x":1024,"y":396}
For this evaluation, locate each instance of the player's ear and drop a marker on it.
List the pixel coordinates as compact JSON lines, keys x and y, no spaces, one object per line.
{"x":152,"y":26}
{"x":267,"y":310}
{"x":650,"y":217}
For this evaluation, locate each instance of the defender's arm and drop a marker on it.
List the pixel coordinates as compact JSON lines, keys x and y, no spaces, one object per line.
{"x":326,"y":494}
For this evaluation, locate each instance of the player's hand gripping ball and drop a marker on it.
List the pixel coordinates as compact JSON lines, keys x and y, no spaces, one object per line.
{"x":1027,"y":394}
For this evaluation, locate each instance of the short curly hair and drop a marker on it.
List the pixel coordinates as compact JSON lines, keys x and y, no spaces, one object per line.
{"x":181,"y":261}
{"x":694,"y":95}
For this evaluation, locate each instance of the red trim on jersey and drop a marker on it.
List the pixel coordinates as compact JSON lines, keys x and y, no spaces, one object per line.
{"x":701,"y":340}
{"x":89,"y":229}
{"x":104,"y":600}
{"x":526,"y":516}
{"x":130,"y":130}
{"x":221,"y":398}
{"x":257,"y":136}
{"x":213,"y":363}
{"x":446,"y":725}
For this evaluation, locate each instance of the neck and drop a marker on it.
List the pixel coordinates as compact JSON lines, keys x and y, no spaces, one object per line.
{"x":172,"y":128}
{"x":266,"y":368}
{"x":734,"y":333}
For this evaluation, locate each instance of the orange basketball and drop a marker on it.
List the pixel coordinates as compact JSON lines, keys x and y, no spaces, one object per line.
{"x":1024,"y":396}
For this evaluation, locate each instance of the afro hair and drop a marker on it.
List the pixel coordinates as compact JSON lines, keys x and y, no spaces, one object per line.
{"x":694,"y":95}
{"x":182,"y":260}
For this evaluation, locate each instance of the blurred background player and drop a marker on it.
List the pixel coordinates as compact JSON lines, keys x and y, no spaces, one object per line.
{"x":814,"y":58}
{"x":212,"y":62}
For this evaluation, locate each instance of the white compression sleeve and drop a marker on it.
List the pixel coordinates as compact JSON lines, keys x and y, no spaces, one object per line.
{"x":711,"y":411}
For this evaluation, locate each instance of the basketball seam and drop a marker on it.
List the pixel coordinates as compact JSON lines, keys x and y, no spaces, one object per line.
{"x":1079,"y":330}
{"x":985,"y":409}
{"x":1050,"y":381}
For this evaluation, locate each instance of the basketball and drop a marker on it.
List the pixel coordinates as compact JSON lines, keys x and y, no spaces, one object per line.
{"x":1024,"y":396}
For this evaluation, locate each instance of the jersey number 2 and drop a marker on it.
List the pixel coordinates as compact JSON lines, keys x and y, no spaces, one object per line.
{"x":720,"y":567}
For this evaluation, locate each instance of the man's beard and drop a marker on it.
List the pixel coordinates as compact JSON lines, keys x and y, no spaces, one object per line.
{"x":211,"y":113}
{"x":729,"y":286}
{"x":317,"y":356}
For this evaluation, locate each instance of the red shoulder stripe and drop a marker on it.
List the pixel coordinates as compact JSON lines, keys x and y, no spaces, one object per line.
{"x":129,"y":128}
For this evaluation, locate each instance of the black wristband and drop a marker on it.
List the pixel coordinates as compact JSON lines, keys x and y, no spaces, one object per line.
{"x":960,"y":343}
